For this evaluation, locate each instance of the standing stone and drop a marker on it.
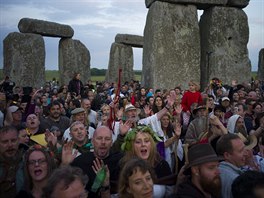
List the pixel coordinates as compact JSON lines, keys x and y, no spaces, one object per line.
{"x":121,"y":56}
{"x":171,"y":52}
{"x":74,"y":57}
{"x":24,"y":59}
{"x":224,"y":32}
{"x":45,"y":28}
{"x":261,"y":65}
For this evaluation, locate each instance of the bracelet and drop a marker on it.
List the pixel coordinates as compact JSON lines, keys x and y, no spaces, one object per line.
{"x":104,"y":188}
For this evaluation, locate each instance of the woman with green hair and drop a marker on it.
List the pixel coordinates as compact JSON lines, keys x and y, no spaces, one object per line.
{"x":141,"y":143}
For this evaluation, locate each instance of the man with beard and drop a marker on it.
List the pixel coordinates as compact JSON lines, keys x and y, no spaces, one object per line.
{"x":236,"y":124}
{"x":55,"y":118}
{"x":204,"y":181}
{"x":197,"y":126}
{"x":232,"y":148}
{"x":11,"y":163}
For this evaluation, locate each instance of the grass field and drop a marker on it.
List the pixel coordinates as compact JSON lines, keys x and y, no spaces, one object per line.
{"x":50,"y":74}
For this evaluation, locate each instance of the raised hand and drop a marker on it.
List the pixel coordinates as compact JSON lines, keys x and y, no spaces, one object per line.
{"x":171,"y":99}
{"x":97,"y":166}
{"x":50,"y":137}
{"x":147,"y":110}
{"x":178,"y":109}
{"x":124,"y":127}
{"x":67,"y":153}
{"x":119,"y":113}
{"x":177,"y":128}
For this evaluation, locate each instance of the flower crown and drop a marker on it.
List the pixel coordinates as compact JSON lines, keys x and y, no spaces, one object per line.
{"x":38,"y":147}
{"x":131,"y":135}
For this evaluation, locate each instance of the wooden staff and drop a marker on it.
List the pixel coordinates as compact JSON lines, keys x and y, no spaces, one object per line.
{"x":111,"y":120}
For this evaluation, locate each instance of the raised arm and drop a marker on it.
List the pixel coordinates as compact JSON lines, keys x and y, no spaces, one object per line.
{"x":170,"y":102}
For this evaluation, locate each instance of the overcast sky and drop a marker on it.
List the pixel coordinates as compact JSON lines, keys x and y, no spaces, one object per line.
{"x":96,"y":23}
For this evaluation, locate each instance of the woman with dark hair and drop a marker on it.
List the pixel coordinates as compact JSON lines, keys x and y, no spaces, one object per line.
{"x":38,"y":165}
{"x":76,"y":85}
{"x":171,"y":141}
{"x":136,"y":180}
{"x":158,"y":104}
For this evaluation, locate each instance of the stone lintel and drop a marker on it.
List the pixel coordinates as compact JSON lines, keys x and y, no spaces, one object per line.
{"x":129,"y":39}
{"x":238,"y":3}
{"x":201,"y":4}
{"x":45,"y":28}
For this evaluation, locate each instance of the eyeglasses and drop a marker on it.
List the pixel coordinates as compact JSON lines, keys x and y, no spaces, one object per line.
{"x":35,"y":162}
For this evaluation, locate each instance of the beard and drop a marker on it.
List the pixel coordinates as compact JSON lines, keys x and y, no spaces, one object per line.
{"x":212,"y":186}
{"x":133,"y":119}
{"x":241,"y":130}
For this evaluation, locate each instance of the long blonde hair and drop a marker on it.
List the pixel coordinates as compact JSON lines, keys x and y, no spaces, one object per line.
{"x":128,"y":145}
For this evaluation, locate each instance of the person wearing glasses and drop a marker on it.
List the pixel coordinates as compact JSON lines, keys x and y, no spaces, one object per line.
{"x":38,"y":166}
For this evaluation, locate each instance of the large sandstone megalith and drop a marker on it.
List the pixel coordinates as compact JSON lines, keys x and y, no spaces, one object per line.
{"x":73,"y":57}
{"x":24,"y":59}
{"x":171,"y":52}
{"x":261,"y":65}
{"x":224,"y":36}
{"x":121,"y":56}
{"x":45,"y":28}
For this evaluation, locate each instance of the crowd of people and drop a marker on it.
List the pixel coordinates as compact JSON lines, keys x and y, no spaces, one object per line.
{"x":124,"y":140}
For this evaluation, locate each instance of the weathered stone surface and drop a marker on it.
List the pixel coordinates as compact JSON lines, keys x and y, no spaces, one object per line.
{"x":73,"y":57}
{"x":45,"y":28}
{"x":121,"y":56}
{"x":238,"y":3}
{"x":171,"y":52}
{"x":201,"y":4}
{"x":261,"y":65}
{"x":24,"y":59}
{"x":128,"y":39}
{"x":224,"y":32}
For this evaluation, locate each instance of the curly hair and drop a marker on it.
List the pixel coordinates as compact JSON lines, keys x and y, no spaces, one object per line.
{"x":50,"y":163}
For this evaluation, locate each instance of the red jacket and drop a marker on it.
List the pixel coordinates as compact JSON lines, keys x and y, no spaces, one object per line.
{"x":189,"y":98}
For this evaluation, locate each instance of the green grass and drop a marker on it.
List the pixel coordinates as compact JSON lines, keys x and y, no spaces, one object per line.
{"x":50,"y":74}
